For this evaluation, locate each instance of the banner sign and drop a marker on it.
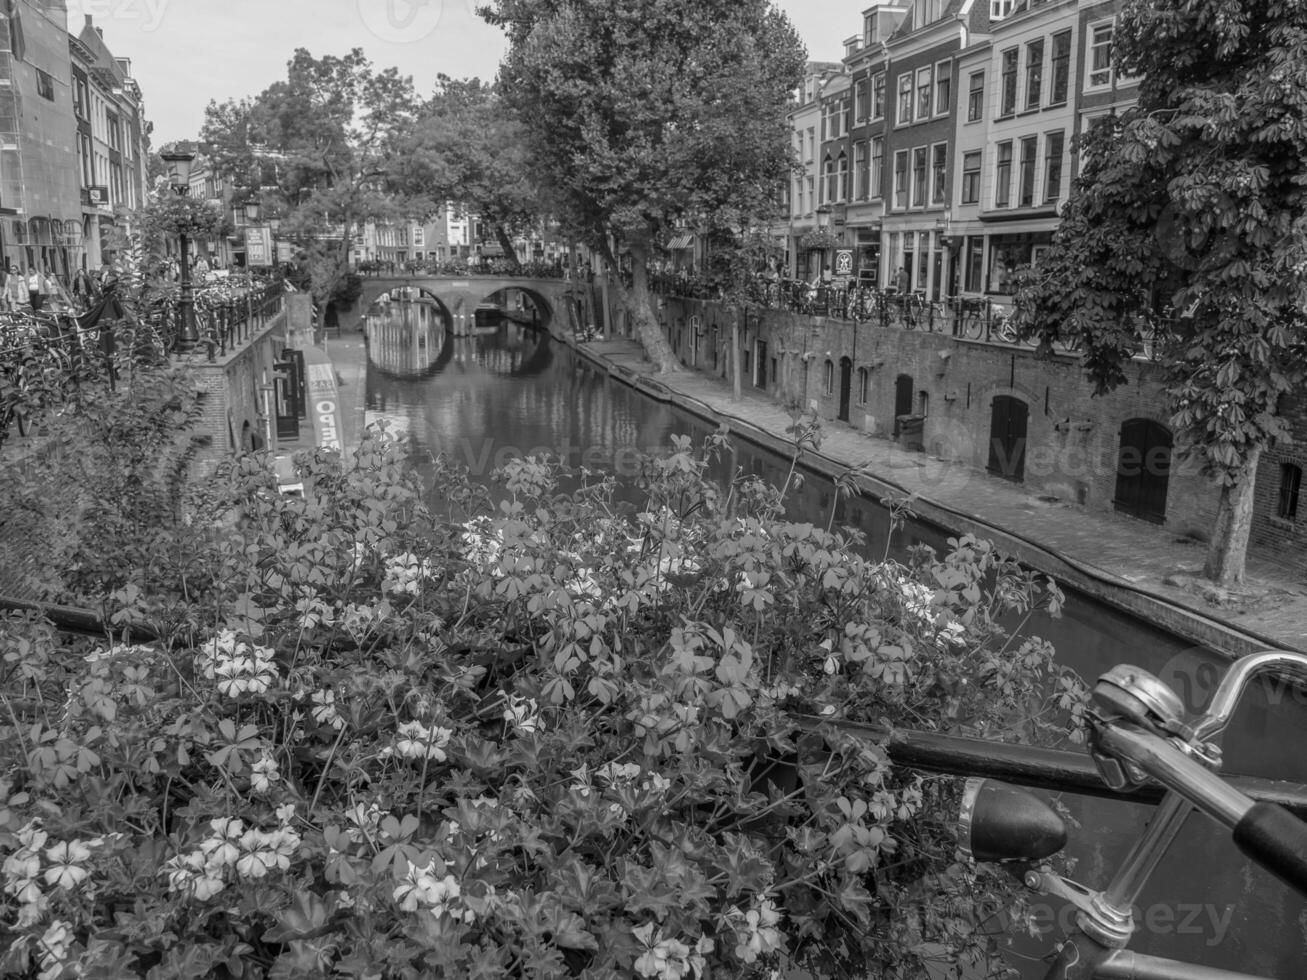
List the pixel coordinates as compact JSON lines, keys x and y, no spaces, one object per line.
{"x":258,"y":247}
{"x":844,"y":262}
{"x":324,"y":402}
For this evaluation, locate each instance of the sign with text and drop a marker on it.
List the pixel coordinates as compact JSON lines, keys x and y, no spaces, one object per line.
{"x":844,"y":262}
{"x":258,"y":247}
{"x":97,"y":196}
{"x":324,"y":402}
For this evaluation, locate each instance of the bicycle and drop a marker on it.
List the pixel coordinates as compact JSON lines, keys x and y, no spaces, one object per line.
{"x":1139,"y":734}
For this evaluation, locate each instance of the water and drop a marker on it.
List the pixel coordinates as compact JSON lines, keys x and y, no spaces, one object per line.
{"x":510,"y":391}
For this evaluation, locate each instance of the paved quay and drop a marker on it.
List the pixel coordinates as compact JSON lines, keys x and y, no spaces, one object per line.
{"x":1119,"y":560}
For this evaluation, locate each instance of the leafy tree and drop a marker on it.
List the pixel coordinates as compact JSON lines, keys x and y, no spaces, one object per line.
{"x":1194,"y":200}
{"x":468,"y":146}
{"x":319,"y":148}
{"x":638,"y":114}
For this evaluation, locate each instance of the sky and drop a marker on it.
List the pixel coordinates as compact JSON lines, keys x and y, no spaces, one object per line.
{"x":185,"y":53}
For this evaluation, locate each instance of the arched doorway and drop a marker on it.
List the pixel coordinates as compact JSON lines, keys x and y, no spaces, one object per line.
{"x":846,"y":387}
{"x":902,"y":399}
{"x":1009,"y":417}
{"x":1143,"y":470}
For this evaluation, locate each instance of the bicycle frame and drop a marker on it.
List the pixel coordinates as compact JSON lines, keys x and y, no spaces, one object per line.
{"x":1139,"y":735}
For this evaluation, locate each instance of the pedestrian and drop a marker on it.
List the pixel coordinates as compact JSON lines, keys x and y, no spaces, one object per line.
{"x":36,"y":290}
{"x":901,"y":281}
{"x":16,"y":289}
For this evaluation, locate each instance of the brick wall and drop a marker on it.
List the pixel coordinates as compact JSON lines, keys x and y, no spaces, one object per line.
{"x":231,"y":392}
{"x":1283,"y":539}
{"x":1072,"y":440}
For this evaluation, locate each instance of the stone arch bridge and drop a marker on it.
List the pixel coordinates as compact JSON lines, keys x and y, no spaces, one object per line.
{"x":459,"y":296}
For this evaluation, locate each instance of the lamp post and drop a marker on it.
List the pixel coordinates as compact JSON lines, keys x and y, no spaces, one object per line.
{"x":252,"y":212}
{"x":274,"y":226}
{"x":179,"y":172}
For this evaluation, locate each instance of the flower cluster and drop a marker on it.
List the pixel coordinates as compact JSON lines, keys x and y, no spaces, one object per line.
{"x":669,"y":959}
{"x":756,"y":931}
{"x":414,"y":740}
{"x":324,"y":709}
{"x":65,"y":869}
{"x":523,"y":715}
{"x":231,"y":850}
{"x":431,"y":890}
{"x":919,"y":602}
{"x":628,"y":774}
{"x":237,"y":666}
{"x":405,"y":573}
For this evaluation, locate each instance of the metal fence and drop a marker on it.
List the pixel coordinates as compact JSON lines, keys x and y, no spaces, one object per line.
{"x":967,"y":317}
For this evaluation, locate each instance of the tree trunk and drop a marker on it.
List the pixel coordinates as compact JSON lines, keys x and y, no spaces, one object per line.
{"x":639,"y":307}
{"x":506,"y":244}
{"x":1228,"y":550}
{"x":736,"y":368}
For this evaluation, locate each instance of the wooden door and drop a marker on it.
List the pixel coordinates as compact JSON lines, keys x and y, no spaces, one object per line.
{"x":846,"y":386}
{"x":1143,"y":470}
{"x":1008,"y":421}
{"x":903,"y":389}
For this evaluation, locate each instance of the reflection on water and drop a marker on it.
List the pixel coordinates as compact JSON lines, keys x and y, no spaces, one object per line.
{"x":487,"y":398}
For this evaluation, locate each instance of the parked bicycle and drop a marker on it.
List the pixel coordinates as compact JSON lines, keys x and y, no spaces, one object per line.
{"x":1139,"y":734}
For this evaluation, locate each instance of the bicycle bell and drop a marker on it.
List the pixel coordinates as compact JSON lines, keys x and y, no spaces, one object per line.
{"x":1132,"y":694}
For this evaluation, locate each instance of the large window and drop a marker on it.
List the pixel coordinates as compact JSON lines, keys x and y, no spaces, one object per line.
{"x":1003,"y":176}
{"x":1029,"y":147}
{"x":1061,"y":68}
{"x":943,"y":87}
{"x":1100,"y":56}
{"x":830,"y":182}
{"x":860,"y":100}
{"x":925,"y":81}
{"x":975,"y":264}
{"x":976,"y":96}
{"x":971,"y":177}
{"x":1053,"y":166}
{"x":1034,"y":73}
{"x":1008,"y":101}
{"x":901,"y":179}
{"x":80,"y":99}
{"x":938,"y":172}
{"x":1290,"y":485}
{"x":905,"y":99}
{"x":877,"y":167}
{"x":878,"y":96}
{"x":842,"y":171}
{"x":860,"y":169}
{"x":918,"y":176}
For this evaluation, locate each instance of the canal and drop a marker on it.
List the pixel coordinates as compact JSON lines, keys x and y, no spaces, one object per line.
{"x":508,"y":390}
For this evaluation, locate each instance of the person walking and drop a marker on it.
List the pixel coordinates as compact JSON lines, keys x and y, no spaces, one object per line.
{"x":36,"y":289}
{"x":16,"y":289}
{"x":901,"y":281}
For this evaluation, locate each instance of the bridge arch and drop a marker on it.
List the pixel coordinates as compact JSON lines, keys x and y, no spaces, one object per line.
{"x":460,"y":296}
{"x":404,"y":341}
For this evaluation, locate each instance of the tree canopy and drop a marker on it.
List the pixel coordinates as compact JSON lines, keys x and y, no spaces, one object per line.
{"x":1193,"y":201}
{"x":319,"y":149}
{"x":640,"y":115}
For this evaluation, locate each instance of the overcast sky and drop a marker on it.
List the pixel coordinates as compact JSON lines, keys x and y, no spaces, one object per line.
{"x":186,"y":52}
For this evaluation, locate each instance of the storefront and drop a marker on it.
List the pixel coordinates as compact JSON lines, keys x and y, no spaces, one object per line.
{"x":1009,"y":253}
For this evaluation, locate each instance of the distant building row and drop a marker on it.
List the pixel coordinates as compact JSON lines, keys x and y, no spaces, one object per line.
{"x":73,"y":140}
{"x":941,"y":144}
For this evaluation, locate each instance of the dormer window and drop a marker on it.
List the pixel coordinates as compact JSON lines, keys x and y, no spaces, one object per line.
{"x":999,"y":9}
{"x":869,"y":30}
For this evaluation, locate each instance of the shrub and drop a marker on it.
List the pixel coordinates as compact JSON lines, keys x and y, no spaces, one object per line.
{"x":540,"y":738}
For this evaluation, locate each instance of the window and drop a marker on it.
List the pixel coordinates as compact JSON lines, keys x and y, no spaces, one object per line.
{"x":925,"y":80}
{"x":1061,"y":67}
{"x":998,"y":9}
{"x":80,"y":99}
{"x":877,"y":167}
{"x":44,"y":85}
{"x":971,"y":177}
{"x":1008,"y":104}
{"x":868,"y":29}
{"x":812,"y":194}
{"x":975,"y":264}
{"x":830,"y":377}
{"x":878,"y":96}
{"x":1290,"y":484}
{"x":1034,"y":73}
{"x":1053,"y":166}
{"x":830,"y":182}
{"x":918,"y":176}
{"x":1027,"y":174}
{"x":938,"y":172}
{"x":812,"y":144}
{"x":860,"y":100}
{"x":976,"y":96}
{"x":905,"y":99}
{"x":901,"y":179}
{"x":943,"y":87}
{"x":861,"y":169}
{"x":1100,"y":55}
{"x":1003,"y":176}
{"x":842,"y":172}
{"x":864,"y":385}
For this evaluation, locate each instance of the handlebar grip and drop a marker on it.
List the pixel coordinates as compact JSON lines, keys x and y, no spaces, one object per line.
{"x":1277,"y":840}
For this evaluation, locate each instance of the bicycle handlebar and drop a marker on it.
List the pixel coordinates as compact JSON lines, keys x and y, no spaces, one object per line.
{"x":1264,"y":832}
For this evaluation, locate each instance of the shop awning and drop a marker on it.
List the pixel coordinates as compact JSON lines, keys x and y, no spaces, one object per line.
{"x":681,"y":241}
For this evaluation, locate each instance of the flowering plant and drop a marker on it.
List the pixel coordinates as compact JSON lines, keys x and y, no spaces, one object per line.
{"x":536,"y":739}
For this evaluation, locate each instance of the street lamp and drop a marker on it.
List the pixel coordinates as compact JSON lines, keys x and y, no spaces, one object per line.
{"x":252,"y":212}
{"x":179,"y":177}
{"x":274,"y":226}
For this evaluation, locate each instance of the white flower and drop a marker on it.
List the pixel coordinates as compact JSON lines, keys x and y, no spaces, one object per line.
{"x":669,"y":959}
{"x":55,"y":943}
{"x":65,"y":869}
{"x":523,"y":715}
{"x":755,"y":931}
{"x":404,"y":574}
{"x":264,"y":774}
{"x":324,"y":709}
{"x":416,"y":741}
